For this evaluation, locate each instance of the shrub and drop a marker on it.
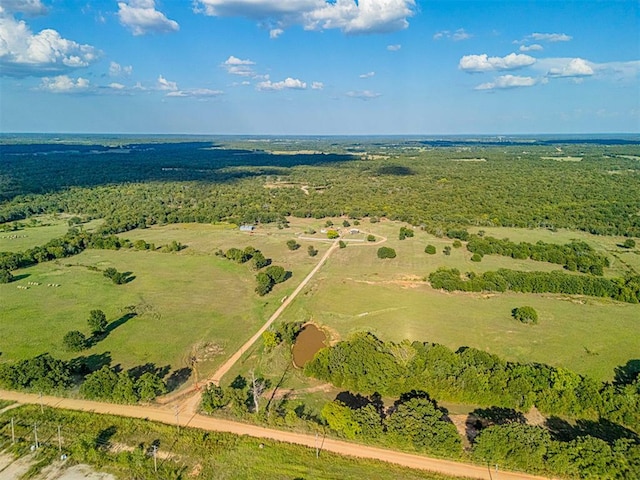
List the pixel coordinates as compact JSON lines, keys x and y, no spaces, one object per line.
{"x":74,"y":341}
{"x":386,"y":252}
{"x":341,"y":244}
{"x":312,"y":251}
{"x":332,"y":235}
{"x":476,"y":257}
{"x":292,"y":245}
{"x":371,"y":238}
{"x":457,"y":244}
{"x":430,"y":249}
{"x":5,"y":276}
{"x":525,"y":314}
{"x":629,"y":243}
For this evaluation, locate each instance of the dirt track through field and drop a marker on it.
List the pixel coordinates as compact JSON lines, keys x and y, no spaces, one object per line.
{"x":166,"y":415}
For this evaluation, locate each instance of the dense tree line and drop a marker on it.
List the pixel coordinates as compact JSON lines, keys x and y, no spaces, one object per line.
{"x":623,"y":289}
{"x":45,"y":374}
{"x":186,"y":183}
{"x":573,"y":256}
{"x":367,"y":365}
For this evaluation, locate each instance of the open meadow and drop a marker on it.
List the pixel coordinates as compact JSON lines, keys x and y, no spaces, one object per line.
{"x":186,"y":303}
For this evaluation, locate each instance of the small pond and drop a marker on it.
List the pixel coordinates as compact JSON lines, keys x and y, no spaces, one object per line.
{"x":308,"y":342}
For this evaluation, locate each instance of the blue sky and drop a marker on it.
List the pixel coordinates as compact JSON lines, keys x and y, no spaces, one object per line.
{"x":316,"y":67}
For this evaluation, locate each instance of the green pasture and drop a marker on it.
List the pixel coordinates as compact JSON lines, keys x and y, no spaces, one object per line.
{"x":184,"y":300}
{"x":357,"y":291}
{"x":38,"y":231}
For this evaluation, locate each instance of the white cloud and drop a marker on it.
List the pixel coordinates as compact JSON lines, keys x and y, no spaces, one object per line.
{"x":394,"y":48}
{"x":117,"y":70}
{"x":350,"y":16}
{"x":196,"y":93}
{"x":117,"y":86}
{"x":288,"y":83}
{"x":367,"y":75}
{"x":141,"y":17}
{"x":275,"y":32}
{"x":550,"y":37}
{"x":363,"y":94}
{"x":508,"y":81}
{"x":23,"y":53}
{"x":164,"y":84}
{"x":64,"y":84}
{"x":317,"y":85}
{"x":27,"y":7}
{"x":456,"y":36}
{"x":534,"y":47}
{"x":483,"y":63}
{"x":576,"y":67}
{"x":237,"y":66}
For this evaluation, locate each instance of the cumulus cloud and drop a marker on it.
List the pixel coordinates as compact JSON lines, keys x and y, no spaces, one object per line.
{"x":117,"y":86}
{"x":27,"y":7}
{"x":550,"y":37}
{"x":141,"y":17}
{"x":195,"y":93}
{"x":164,"y":84}
{"x":394,"y":48}
{"x":286,"y":84}
{"x":237,"y":66}
{"x":350,"y":16}
{"x":456,"y":36}
{"x":484,"y":63}
{"x":117,"y":70}
{"x":508,"y":81}
{"x":363,"y":94}
{"x":367,"y":75}
{"x":64,"y":84}
{"x":576,"y":67}
{"x":534,"y":47}
{"x":23,"y":53}
{"x":317,"y":85}
{"x":275,"y":32}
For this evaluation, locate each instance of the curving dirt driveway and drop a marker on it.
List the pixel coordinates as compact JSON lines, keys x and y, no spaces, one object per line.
{"x":168,"y":416}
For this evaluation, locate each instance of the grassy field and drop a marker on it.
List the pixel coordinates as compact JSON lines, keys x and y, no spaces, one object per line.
{"x":40,"y":231}
{"x":183,"y":300}
{"x":357,"y":291}
{"x":97,"y":439}
{"x":196,"y":302}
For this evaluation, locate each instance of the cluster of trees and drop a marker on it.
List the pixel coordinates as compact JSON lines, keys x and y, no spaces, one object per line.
{"x":516,"y":446}
{"x":242,"y":395}
{"x":573,"y":256}
{"x":76,"y":341}
{"x":525,"y":314}
{"x":249,"y":253}
{"x":367,"y":365}
{"x":268,"y":278}
{"x":414,"y":422}
{"x":405,"y":233}
{"x":122,"y":386}
{"x":283,"y":332}
{"x":43,"y":374}
{"x":623,"y":289}
{"x":205,"y":185}
{"x":119,"y":278}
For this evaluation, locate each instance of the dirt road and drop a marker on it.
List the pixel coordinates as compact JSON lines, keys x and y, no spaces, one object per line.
{"x":167,"y":415}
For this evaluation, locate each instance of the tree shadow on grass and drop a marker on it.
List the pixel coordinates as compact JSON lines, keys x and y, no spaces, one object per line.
{"x":627,"y":373}
{"x":104,"y":436}
{"x":178,"y":378}
{"x":86,"y":364}
{"x":139,"y":370}
{"x":20,"y":277}
{"x":100,"y":336}
{"x":603,"y":429}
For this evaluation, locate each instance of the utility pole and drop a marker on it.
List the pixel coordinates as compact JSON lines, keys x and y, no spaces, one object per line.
{"x":155,"y":462}
{"x":41,"y":406}
{"x":59,"y":441}
{"x":35,"y":434}
{"x":13,"y":433}
{"x":317,"y":451}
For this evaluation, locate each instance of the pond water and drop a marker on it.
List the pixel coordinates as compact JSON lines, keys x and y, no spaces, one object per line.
{"x":308,"y":342}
